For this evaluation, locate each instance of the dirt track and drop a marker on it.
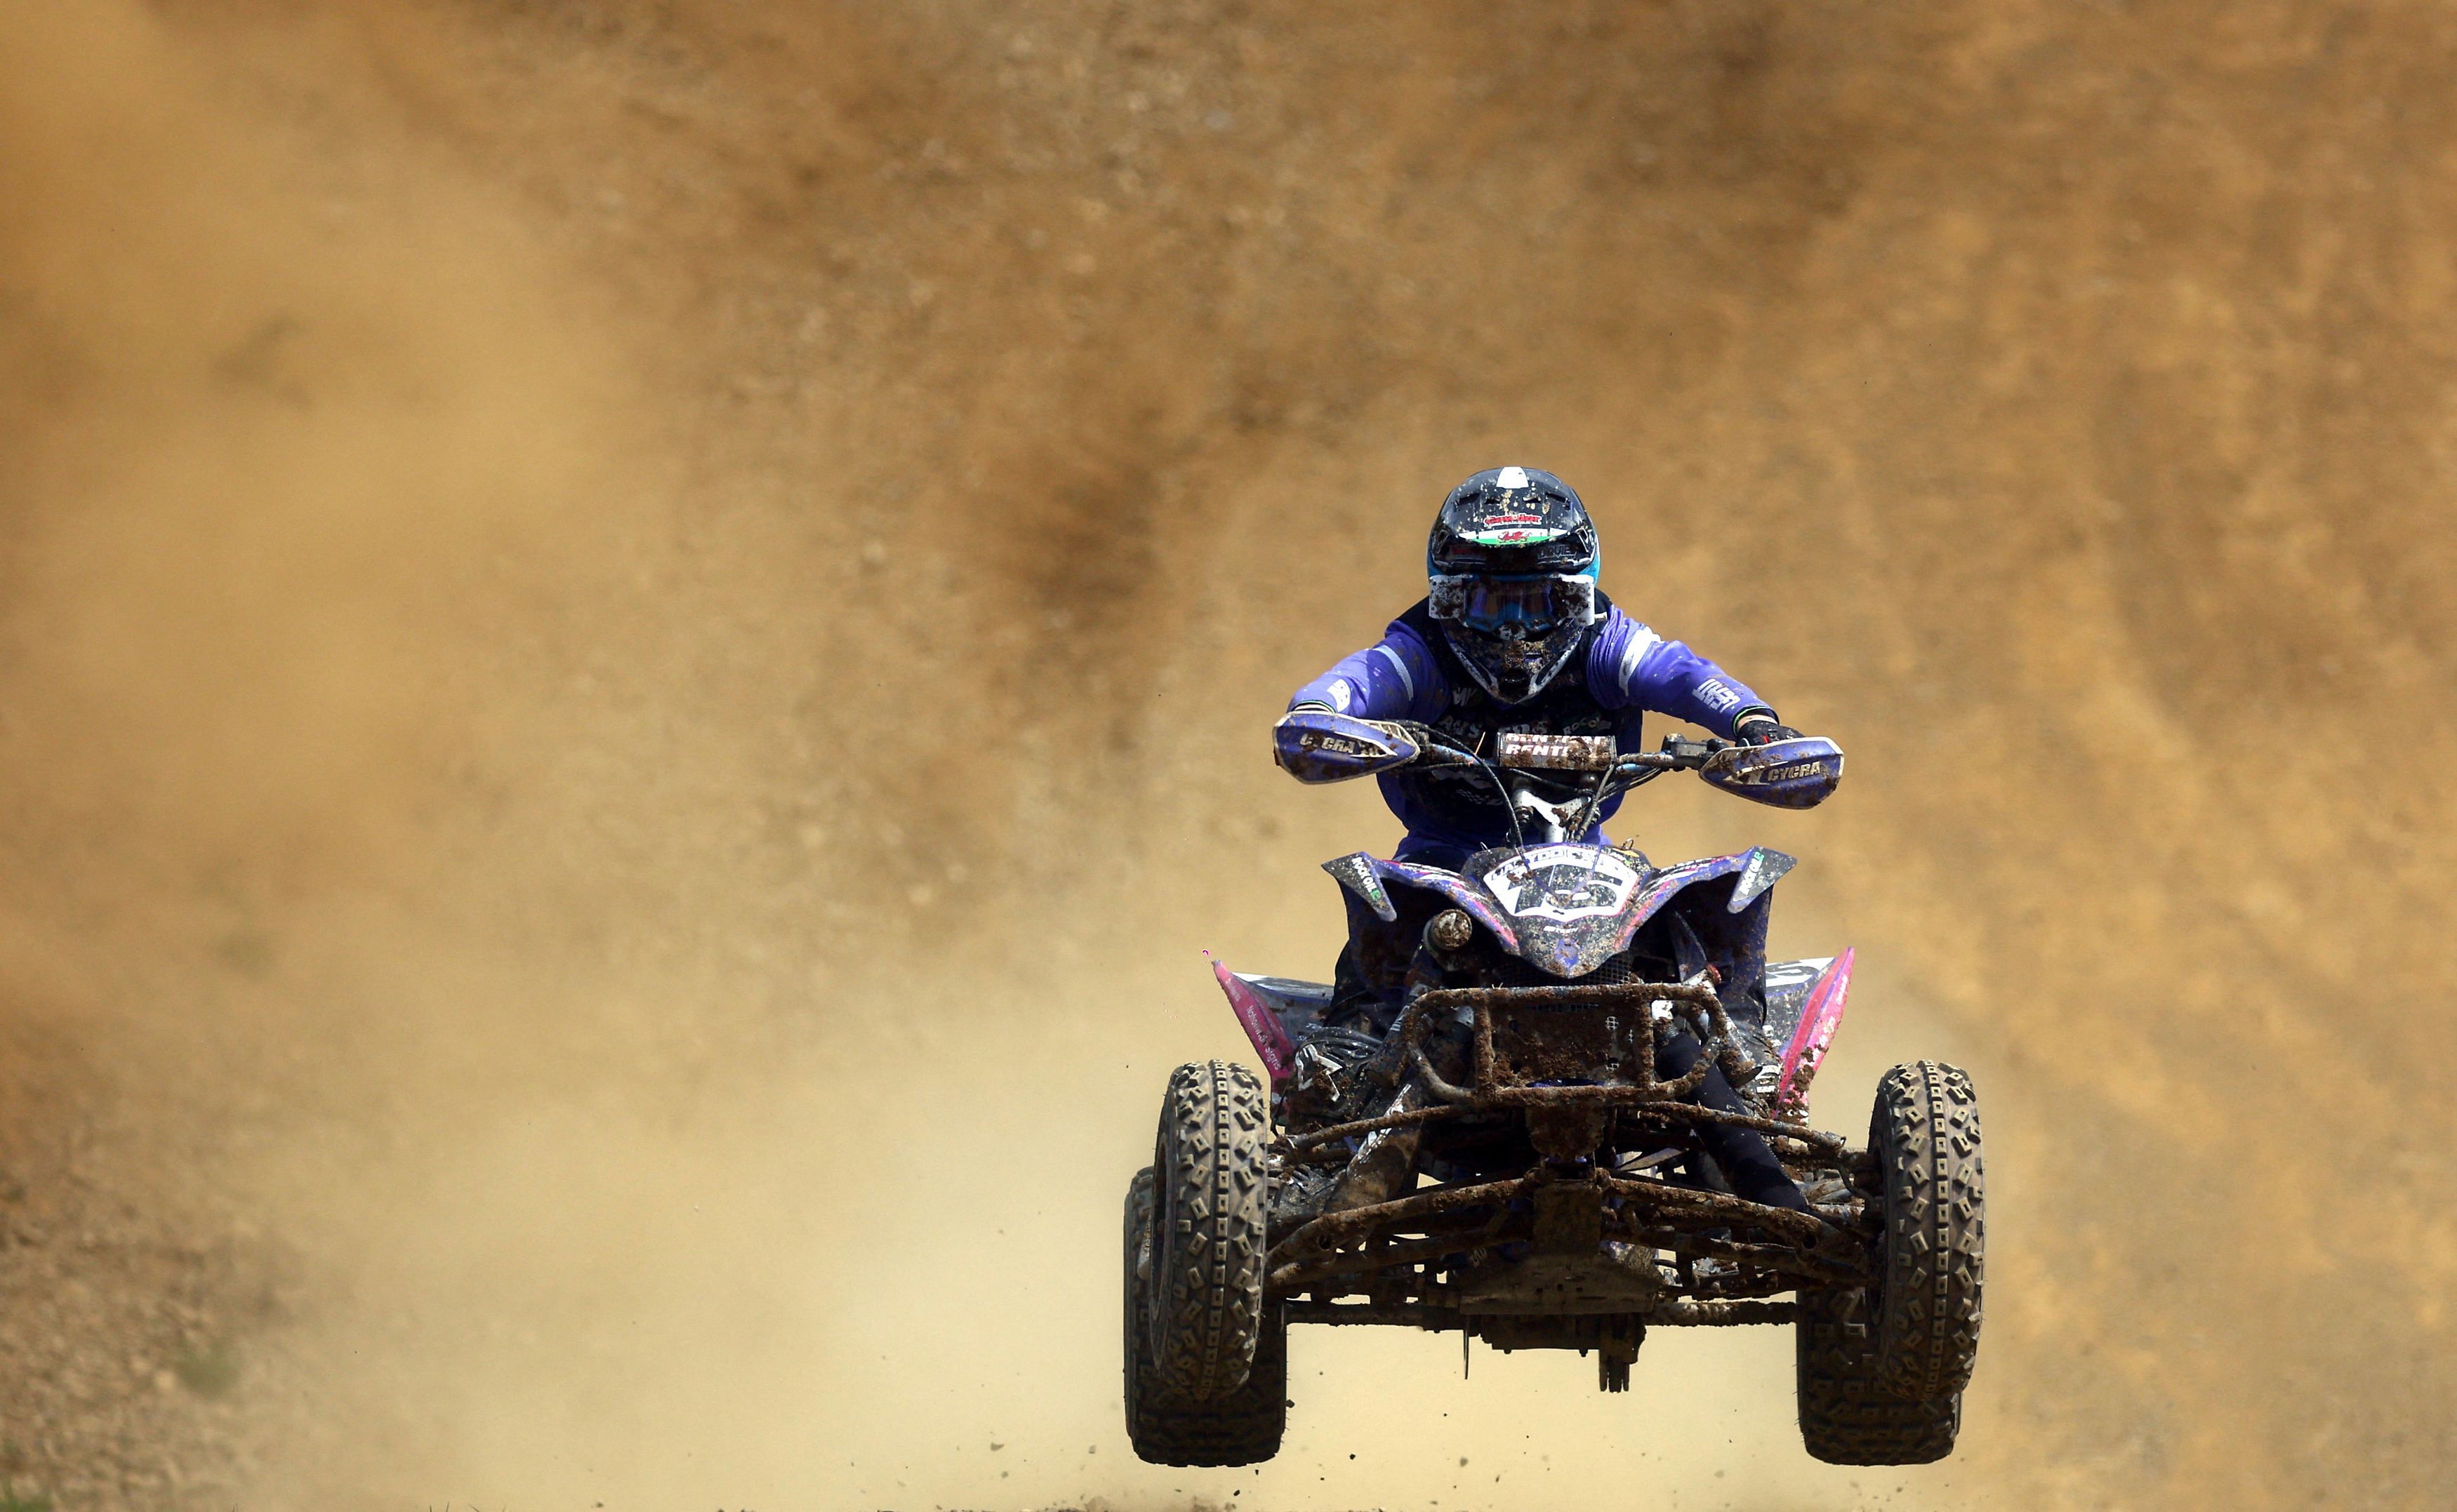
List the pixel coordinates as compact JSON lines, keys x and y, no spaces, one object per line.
{"x":633,"y":642}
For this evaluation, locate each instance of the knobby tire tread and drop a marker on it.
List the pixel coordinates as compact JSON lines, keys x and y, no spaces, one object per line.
{"x":1207,"y":1293}
{"x":1166,"y":1427}
{"x":1925,"y":1135}
{"x":1845,"y":1419}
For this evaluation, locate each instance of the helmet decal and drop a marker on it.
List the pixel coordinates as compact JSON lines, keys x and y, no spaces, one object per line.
{"x":1507,"y":510}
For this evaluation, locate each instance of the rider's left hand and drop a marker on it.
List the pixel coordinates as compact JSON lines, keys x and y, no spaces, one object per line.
{"x":1761,"y":728}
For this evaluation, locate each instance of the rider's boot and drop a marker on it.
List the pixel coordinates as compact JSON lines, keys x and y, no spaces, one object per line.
{"x":1385,"y":1164}
{"x":1747,"y":1161}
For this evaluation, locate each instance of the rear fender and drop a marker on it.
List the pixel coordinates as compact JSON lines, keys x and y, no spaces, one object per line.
{"x":1273,"y":1011}
{"x":1815,"y":1011}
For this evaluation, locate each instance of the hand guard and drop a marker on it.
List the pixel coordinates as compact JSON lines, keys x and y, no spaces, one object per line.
{"x":1414,"y":731}
{"x":1315,"y":744}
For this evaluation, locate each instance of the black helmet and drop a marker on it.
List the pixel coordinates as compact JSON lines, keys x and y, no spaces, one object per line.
{"x":1512,"y":567}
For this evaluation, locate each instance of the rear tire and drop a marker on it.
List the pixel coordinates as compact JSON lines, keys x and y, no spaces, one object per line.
{"x":1845,"y":1417}
{"x":1164,"y":1426}
{"x":1924,"y":1137}
{"x":1210,"y":1236}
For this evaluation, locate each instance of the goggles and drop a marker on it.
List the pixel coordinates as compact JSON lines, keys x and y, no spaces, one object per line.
{"x":1534,"y":603}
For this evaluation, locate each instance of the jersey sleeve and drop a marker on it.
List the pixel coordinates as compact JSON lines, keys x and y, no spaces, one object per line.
{"x":1393,"y":678}
{"x":1631,"y":667}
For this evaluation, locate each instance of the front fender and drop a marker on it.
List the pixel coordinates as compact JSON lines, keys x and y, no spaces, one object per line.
{"x":1368,"y":877}
{"x":1758,"y":868}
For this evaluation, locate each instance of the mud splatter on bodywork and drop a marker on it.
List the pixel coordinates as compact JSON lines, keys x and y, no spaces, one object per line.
{"x":1819,"y":1017}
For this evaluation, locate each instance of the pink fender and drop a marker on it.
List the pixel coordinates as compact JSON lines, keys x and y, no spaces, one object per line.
{"x":1261,"y":1024}
{"x":1819,"y":1017}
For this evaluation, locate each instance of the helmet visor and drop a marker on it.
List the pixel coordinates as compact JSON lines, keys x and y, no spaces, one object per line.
{"x":1534,"y":604}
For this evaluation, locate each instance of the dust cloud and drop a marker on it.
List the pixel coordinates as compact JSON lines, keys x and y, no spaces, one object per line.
{"x":633,"y":642}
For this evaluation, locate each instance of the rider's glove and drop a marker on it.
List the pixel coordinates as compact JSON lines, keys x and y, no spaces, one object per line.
{"x":1309,"y":705}
{"x":1760,"y":727}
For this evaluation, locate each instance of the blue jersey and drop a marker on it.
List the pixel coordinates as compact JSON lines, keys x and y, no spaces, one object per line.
{"x":1623,"y":673}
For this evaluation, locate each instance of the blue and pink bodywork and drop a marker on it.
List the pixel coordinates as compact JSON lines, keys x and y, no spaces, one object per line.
{"x":1720,"y":923}
{"x":1567,"y":907}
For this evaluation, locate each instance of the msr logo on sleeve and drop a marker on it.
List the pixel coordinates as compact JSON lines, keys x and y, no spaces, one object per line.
{"x":1717,"y":695}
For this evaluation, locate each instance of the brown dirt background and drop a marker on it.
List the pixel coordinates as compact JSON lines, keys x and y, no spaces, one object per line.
{"x":634,"y":640}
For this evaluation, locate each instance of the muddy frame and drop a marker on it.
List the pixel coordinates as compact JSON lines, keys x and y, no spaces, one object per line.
{"x":1380,"y":1263}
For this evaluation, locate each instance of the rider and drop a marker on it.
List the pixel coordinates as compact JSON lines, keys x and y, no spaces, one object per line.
{"x":1515,"y":636}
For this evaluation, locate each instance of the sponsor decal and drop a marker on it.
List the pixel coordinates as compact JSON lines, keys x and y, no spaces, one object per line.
{"x":1819,"y":1017}
{"x":1798,"y":771}
{"x":1336,"y":745}
{"x":1564,"y":882}
{"x":1512,"y":519}
{"x":1567,"y":753}
{"x":1262,"y":1027}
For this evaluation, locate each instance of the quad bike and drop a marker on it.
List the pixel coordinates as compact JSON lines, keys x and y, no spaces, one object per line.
{"x":1517,"y":1157}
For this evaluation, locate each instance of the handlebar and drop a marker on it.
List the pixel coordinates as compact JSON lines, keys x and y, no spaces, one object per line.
{"x":1685,"y":756}
{"x":1320,"y":745}
{"x":1580,"y":754}
{"x":1798,"y":773}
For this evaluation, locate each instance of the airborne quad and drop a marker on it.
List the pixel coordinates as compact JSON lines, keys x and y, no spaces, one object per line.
{"x":1522,"y":1154}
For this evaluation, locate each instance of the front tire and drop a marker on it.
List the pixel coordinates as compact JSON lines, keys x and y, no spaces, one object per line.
{"x":1209,"y":1230}
{"x":1166,"y":1427}
{"x":1923,"y":1135}
{"x":1845,"y":1417}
